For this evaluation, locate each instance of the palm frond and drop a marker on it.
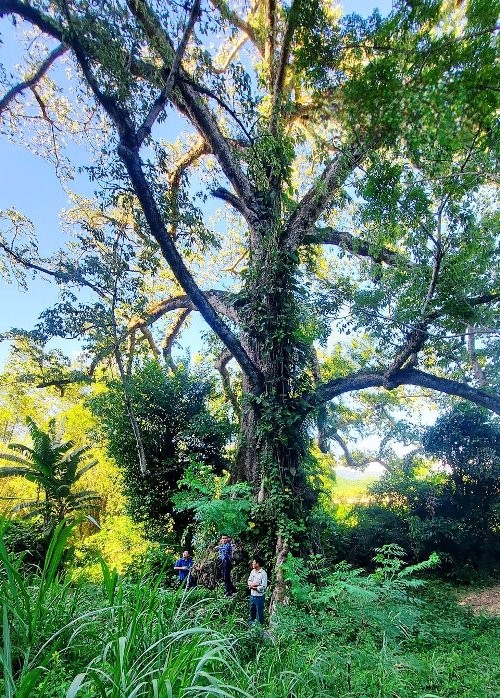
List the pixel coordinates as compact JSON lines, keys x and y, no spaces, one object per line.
{"x":11,"y":458}
{"x":13,"y":472}
{"x":30,"y":505}
{"x":85,"y":495}
{"x":21,"y":448}
{"x":85,"y":469}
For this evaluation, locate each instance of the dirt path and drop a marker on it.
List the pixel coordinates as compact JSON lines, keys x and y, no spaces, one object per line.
{"x":487,"y":601}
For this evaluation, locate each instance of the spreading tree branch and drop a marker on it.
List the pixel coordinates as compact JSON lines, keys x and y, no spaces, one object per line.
{"x":405,"y":376}
{"x":63,"y":276}
{"x":34,"y":79}
{"x":128,"y":150}
{"x":320,"y":194}
{"x":354,"y":244}
{"x":158,"y":310}
{"x":209,"y":93}
{"x":161,"y":100}
{"x":182,"y":274}
{"x":200,"y":116}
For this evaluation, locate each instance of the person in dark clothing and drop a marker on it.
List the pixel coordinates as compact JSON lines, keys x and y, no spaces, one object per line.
{"x":183,"y":569}
{"x":226,"y":551}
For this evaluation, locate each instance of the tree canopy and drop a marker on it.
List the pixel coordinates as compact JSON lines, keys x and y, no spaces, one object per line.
{"x":355,"y":159}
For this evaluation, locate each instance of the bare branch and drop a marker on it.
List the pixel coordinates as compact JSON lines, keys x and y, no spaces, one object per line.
{"x":350,"y":460}
{"x":150,"y":340}
{"x":232,"y":267}
{"x":236,"y":203}
{"x":161,"y":100}
{"x":229,"y":14}
{"x":171,"y":336}
{"x":193,"y":154}
{"x":232,"y":55}
{"x":319,"y":196}
{"x":34,"y":79}
{"x":405,"y":376}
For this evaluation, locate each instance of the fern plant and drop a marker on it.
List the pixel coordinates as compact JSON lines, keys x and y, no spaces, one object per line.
{"x":218,"y":506}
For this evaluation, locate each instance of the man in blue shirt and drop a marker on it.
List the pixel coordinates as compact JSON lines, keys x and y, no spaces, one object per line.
{"x":183,"y":568}
{"x":226,"y":550}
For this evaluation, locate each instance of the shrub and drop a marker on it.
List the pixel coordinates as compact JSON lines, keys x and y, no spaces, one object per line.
{"x":177,"y":426}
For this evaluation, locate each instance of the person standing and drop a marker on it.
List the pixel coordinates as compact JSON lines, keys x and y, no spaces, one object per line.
{"x":226,"y":551}
{"x":183,"y":568}
{"x":257,"y":583}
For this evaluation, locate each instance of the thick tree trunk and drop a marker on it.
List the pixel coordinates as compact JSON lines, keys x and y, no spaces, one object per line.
{"x":273,"y":442}
{"x":246,"y":468}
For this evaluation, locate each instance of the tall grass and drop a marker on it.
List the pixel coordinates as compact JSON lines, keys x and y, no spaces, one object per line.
{"x":352,"y":636}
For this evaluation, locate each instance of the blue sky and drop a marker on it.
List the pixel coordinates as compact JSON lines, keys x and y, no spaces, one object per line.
{"x":29,"y":184}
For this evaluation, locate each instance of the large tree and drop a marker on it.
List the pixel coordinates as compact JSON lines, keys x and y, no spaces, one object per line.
{"x":354,"y":155}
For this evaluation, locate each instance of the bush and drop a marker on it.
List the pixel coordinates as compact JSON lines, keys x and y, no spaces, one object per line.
{"x":22,"y":536}
{"x":177,"y":427}
{"x":120,"y":543}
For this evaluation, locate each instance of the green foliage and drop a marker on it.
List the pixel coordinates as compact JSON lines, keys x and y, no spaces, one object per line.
{"x":346,"y":633}
{"x":28,"y":613}
{"x":119,"y":543}
{"x":218,"y":506}
{"x":55,"y":466}
{"x":270,"y":159}
{"x":451,"y":506}
{"x":26,"y":537}
{"x":177,"y":426}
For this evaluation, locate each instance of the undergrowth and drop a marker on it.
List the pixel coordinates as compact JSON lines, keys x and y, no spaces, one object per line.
{"x":345,"y":633}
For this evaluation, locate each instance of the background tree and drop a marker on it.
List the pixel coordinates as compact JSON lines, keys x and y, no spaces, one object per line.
{"x":447,"y":504}
{"x":374,"y":138}
{"x":178,"y":429}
